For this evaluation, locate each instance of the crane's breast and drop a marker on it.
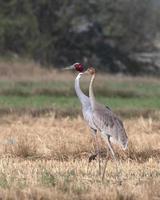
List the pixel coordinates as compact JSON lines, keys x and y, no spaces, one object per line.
{"x":87,"y":114}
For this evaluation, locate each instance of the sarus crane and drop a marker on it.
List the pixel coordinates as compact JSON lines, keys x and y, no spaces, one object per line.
{"x":86,"y":109}
{"x":105,"y":121}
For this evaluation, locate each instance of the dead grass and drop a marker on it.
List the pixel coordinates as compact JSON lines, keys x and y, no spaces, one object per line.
{"x":47,"y":158}
{"x":25,"y":70}
{"x":30,"y":71}
{"x":67,"y":138}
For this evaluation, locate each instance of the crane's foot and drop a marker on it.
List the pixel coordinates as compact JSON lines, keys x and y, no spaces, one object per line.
{"x":101,"y":154}
{"x":92,"y":157}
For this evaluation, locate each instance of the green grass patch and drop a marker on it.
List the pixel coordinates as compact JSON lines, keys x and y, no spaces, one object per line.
{"x":43,"y":101}
{"x":131,"y":103}
{"x":63,"y":88}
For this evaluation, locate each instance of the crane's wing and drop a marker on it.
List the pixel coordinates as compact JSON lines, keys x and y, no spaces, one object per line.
{"x":109,"y":124}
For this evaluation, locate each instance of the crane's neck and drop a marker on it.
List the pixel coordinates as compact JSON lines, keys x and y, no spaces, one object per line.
{"x":82,"y":97}
{"x":91,"y":94}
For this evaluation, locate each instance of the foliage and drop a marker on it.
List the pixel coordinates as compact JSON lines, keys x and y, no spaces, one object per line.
{"x":18,"y":27}
{"x":61,"y":32}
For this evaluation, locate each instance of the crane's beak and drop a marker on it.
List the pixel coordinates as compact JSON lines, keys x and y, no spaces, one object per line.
{"x":69,"y":67}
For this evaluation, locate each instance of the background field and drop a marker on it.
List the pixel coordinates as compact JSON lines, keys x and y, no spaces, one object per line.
{"x":45,"y":144}
{"x":26,"y":87}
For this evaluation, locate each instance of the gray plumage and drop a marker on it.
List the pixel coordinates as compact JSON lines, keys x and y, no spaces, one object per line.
{"x":110,"y":126}
{"x":86,"y":107}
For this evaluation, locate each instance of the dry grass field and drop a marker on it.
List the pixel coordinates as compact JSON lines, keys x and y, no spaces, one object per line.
{"x":47,"y":158}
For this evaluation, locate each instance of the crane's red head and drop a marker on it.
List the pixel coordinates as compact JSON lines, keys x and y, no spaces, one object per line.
{"x":77,"y":66}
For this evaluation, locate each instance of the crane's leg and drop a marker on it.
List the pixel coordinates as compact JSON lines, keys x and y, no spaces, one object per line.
{"x":97,"y":151}
{"x":113,"y":155}
{"x":105,"y":165}
{"x":111,"y":149}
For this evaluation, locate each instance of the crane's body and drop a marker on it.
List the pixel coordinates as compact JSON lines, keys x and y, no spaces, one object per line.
{"x":106,"y":122}
{"x":86,"y":107}
{"x":87,"y":114}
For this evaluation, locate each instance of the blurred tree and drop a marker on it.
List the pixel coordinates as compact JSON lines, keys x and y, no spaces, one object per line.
{"x":61,"y":32}
{"x":18,"y":28}
{"x":132,"y":22}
